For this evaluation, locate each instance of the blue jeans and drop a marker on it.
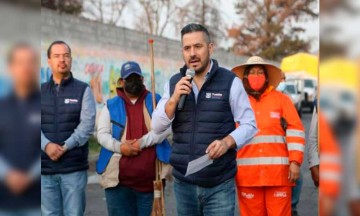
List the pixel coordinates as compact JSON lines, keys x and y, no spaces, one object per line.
{"x":29,"y":212}
{"x":193,"y":200}
{"x":124,"y":201}
{"x":296,"y":191}
{"x":63,"y":194}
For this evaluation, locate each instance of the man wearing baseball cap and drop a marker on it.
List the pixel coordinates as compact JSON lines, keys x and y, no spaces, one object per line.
{"x":127,"y":158}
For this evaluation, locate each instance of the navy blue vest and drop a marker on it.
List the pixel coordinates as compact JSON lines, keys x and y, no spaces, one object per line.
{"x":19,"y":147}
{"x":60,"y":115}
{"x":199,"y":124}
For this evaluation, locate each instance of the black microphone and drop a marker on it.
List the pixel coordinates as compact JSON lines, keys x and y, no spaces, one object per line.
{"x":189,"y":73}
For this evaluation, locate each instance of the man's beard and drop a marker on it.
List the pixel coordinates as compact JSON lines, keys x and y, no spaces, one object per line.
{"x":202,"y":67}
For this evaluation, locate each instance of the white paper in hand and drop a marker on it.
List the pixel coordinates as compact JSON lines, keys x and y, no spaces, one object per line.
{"x":198,"y":164}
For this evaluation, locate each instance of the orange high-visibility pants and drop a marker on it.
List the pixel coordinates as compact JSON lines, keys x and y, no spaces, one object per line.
{"x":265,"y":201}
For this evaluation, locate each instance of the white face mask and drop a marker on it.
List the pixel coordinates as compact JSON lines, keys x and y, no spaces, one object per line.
{"x":281,"y":86}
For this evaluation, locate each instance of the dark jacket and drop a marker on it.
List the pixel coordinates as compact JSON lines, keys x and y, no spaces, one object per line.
{"x":199,"y":124}
{"x":19,"y":146}
{"x":60,"y":115}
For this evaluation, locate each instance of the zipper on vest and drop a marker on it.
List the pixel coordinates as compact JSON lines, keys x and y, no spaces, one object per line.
{"x":120,"y":125}
{"x":56,"y":110}
{"x":193,"y":126}
{"x":57,"y":89}
{"x":196,"y":102}
{"x":206,"y":83}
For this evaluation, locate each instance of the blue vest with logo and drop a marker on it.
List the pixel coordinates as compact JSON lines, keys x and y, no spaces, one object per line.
{"x":117,"y":110}
{"x":60,"y":115}
{"x":199,"y":124}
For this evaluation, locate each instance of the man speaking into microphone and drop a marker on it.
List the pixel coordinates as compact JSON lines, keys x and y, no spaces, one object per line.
{"x":214,"y":100}
{"x":189,"y":74}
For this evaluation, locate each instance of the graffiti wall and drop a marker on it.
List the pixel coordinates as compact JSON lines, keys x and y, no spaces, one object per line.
{"x":100,"y":68}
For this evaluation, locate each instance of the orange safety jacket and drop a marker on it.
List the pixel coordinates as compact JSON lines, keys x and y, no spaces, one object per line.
{"x":330,"y":161}
{"x":264,"y":161}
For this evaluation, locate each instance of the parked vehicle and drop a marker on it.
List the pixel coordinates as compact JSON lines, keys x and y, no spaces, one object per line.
{"x":296,"y":97}
{"x":338,"y":104}
{"x":307,"y":88}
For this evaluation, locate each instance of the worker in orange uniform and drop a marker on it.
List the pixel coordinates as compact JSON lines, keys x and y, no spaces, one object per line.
{"x":269,"y":164}
{"x":324,"y":155}
{"x":330,"y":168}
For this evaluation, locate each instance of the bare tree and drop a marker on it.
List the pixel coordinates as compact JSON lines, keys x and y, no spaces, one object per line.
{"x":206,"y":13}
{"x":158,"y":14}
{"x":267,"y":27}
{"x":105,"y":11}
{"x":64,"y":6}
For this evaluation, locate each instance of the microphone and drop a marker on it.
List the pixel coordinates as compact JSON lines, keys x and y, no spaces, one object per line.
{"x":189,"y":73}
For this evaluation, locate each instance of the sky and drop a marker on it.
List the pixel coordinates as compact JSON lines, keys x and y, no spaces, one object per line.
{"x":230,"y":18}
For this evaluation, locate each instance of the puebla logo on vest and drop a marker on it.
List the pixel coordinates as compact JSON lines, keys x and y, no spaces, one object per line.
{"x":214,"y":95}
{"x":71,"y":101}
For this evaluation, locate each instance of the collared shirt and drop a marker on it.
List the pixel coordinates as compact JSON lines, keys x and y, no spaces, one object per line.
{"x":194,"y":86}
{"x":84,"y":129}
{"x":240,"y":108}
{"x":105,"y":138}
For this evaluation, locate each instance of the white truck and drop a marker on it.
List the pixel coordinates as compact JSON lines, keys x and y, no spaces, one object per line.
{"x":295,"y":96}
{"x":306,"y":86}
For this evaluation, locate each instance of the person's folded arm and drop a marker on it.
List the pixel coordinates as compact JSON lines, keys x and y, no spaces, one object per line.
{"x":104,"y":132}
{"x":44,"y":141}
{"x":243,"y":114}
{"x":86,"y":126}
{"x":151,"y":138}
{"x":160,"y":121}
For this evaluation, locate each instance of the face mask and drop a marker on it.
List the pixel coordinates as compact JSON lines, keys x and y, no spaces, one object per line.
{"x":134,"y":86}
{"x":281,"y":86}
{"x":256,"y":82}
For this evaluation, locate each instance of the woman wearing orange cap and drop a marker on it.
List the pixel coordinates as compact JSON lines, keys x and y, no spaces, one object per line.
{"x":270,"y":163}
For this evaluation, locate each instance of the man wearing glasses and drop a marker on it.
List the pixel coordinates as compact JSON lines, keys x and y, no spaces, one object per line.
{"x":67,"y":121}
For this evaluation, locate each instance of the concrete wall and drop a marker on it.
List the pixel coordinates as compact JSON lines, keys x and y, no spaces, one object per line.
{"x":99,"y":50}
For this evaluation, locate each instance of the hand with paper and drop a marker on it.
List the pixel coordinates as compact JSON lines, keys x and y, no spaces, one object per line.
{"x":215,"y":150}
{"x":219,"y":147}
{"x":198,"y":164}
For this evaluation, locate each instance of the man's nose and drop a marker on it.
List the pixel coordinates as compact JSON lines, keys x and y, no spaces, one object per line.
{"x":192,"y":52}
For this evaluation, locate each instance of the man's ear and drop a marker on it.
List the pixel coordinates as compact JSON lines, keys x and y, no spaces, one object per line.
{"x":211,"y":48}
{"x":120,"y":82}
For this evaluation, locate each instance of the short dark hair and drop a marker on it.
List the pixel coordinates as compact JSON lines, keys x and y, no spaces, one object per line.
{"x":18,"y":46}
{"x":194,"y":27}
{"x":55,"y":43}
